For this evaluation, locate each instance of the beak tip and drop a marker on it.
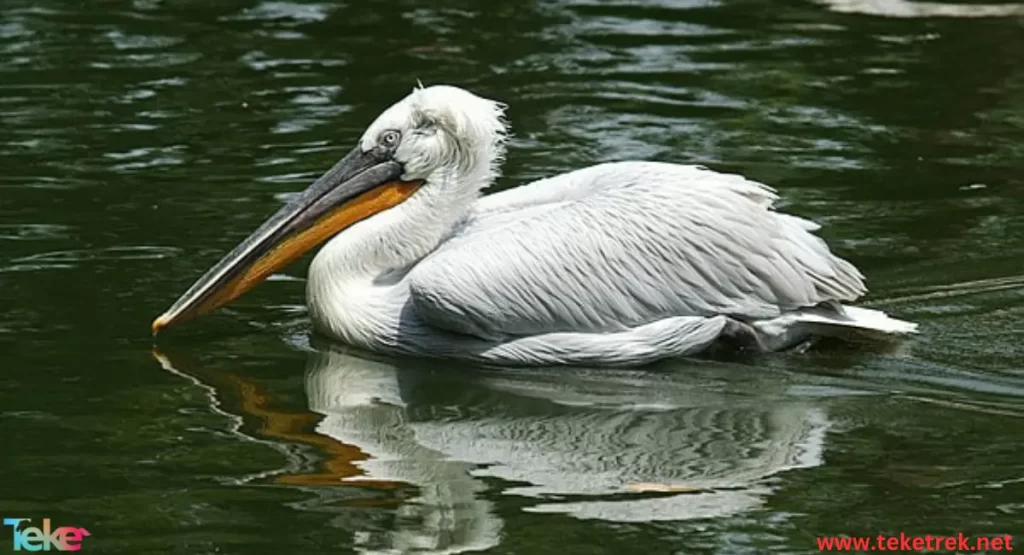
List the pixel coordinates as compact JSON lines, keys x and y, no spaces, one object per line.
{"x":160,"y":323}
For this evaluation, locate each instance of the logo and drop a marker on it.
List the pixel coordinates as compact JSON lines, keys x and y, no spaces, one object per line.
{"x":30,"y":538}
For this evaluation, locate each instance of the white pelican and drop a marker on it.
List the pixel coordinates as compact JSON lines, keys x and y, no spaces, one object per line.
{"x":615,"y":264}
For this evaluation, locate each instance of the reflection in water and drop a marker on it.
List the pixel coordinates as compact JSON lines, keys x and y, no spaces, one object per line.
{"x":623,"y":445}
{"x":909,"y":8}
{"x":362,"y":406}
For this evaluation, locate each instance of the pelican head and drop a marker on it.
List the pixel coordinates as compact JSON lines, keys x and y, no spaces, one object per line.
{"x":439,"y":146}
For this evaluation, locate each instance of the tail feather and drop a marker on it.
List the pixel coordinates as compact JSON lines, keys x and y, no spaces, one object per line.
{"x":855,"y":317}
{"x":828,"y":320}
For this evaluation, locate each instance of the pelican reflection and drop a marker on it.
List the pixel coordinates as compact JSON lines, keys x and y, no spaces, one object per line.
{"x":615,"y":445}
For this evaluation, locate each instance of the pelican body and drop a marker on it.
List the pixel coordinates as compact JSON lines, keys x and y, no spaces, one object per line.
{"x":615,"y":264}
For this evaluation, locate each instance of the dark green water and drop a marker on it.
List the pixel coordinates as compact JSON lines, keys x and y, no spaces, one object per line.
{"x":141,"y":140}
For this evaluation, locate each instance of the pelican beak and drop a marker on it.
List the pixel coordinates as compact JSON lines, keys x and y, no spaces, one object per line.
{"x":357,"y":187}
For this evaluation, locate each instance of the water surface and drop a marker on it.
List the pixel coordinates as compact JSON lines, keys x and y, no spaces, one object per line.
{"x":141,"y":140}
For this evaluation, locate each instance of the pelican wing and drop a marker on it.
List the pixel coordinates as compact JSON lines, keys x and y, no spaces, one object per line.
{"x":618,"y":245}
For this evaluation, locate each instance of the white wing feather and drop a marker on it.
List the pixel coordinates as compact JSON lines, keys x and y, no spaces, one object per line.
{"x":614,"y":246}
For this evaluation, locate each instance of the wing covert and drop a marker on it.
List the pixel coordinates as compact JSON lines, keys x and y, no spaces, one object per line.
{"x":618,"y":245}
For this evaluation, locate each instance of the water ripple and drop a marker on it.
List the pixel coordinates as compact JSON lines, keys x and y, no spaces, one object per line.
{"x":287,"y":11}
{"x":911,"y":9}
{"x":73,"y":258}
{"x":33,"y":232}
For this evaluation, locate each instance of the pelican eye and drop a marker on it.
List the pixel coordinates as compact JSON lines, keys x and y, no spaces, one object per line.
{"x":390,"y":138}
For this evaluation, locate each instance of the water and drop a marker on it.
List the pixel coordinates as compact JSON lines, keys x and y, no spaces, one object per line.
{"x":141,"y":140}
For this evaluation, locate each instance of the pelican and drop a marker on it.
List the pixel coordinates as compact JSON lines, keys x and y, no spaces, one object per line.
{"x":617,"y":264}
